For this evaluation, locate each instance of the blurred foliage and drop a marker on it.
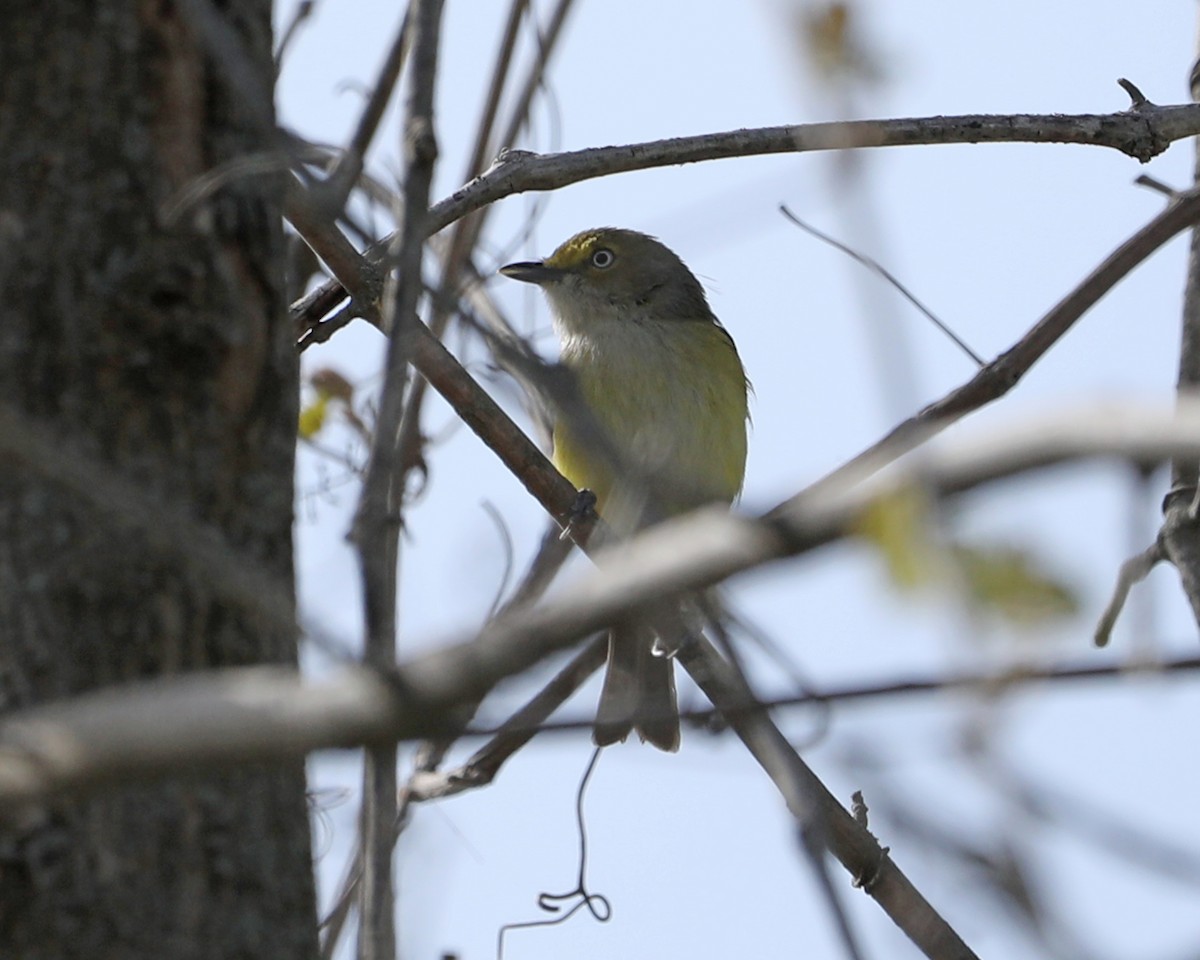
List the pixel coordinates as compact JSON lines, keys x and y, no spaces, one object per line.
{"x":1003,"y":580}
{"x":330,"y":391}
{"x":835,"y":49}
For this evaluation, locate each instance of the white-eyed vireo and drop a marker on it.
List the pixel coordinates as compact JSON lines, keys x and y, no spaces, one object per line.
{"x":662,"y":378}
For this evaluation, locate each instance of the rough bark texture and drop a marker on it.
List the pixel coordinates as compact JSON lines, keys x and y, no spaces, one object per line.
{"x":158,"y":354}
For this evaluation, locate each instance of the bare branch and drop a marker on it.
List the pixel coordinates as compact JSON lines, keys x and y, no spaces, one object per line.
{"x":745,"y":542}
{"x":467,"y":230}
{"x":673,"y":557}
{"x":1137,"y":98}
{"x":376,"y":527}
{"x":259,"y":713}
{"x":819,"y":813}
{"x":185,"y":725}
{"x":1153,"y":183}
{"x":879,"y":269}
{"x":1141,"y":133}
{"x":350,"y":164}
{"x":517,"y":731}
{"x":1133,"y":571}
{"x":1006,"y":371}
{"x":1178,"y":536}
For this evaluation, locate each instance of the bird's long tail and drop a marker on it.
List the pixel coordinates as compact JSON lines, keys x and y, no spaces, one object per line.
{"x":638,"y":692}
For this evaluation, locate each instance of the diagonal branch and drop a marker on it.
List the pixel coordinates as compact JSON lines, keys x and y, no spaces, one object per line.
{"x":186,"y":724}
{"x":349,"y":166}
{"x":825,"y":821}
{"x":255,"y":714}
{"x":467,"y":230}
{"x":762,"y":542}
{"x":727,"y":544}
{"x":1005,"y":372}
{"x":481,"y":413}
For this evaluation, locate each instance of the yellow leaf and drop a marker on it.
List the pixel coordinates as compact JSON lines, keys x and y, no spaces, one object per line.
{"x":832,"y":36}
{"x":313,"y":417}
{"x":1010,"y":583}
{"x":898,"y":524}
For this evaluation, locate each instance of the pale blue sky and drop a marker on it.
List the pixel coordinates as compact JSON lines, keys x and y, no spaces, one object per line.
{"x":696,"y":851}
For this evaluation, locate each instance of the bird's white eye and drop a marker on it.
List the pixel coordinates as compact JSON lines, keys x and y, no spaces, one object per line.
{"x":603,"y":258}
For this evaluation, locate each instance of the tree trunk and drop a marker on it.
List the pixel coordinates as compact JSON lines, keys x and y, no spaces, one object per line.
{"x":147,"y":410}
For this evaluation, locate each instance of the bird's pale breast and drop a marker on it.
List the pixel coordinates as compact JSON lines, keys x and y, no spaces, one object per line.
{"x":672,"y":397}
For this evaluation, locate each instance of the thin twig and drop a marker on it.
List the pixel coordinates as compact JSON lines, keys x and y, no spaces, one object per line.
{"x":517,"y":730}
{"x":876,"y":267}
{"x":744,"y":543}
{"x":350,"y":164}
{"x":986,"y":683}
{"x":1005,"y":372}
{"x":334,"y":923}
{"x":1153,"y":183}
{"x":1178,"y":535}
{"x":376,"y":524}
{"x":467,"y":230}
{"x":547,"y":43}
{"x":304,"y":10}
{"x":1139,"y":101}
{"x":1133,"y":571}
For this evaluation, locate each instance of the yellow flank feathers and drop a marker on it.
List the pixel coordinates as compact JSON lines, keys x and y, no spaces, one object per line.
{"x":671,"y":396}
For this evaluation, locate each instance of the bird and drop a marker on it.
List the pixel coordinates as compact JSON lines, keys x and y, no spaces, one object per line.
{"x":661,"y":377}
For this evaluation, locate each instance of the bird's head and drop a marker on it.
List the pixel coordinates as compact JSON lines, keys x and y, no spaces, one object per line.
{"x":610,"y":274}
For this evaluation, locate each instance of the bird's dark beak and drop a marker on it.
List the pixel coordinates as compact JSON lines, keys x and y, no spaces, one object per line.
{"x":531,"y":271}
